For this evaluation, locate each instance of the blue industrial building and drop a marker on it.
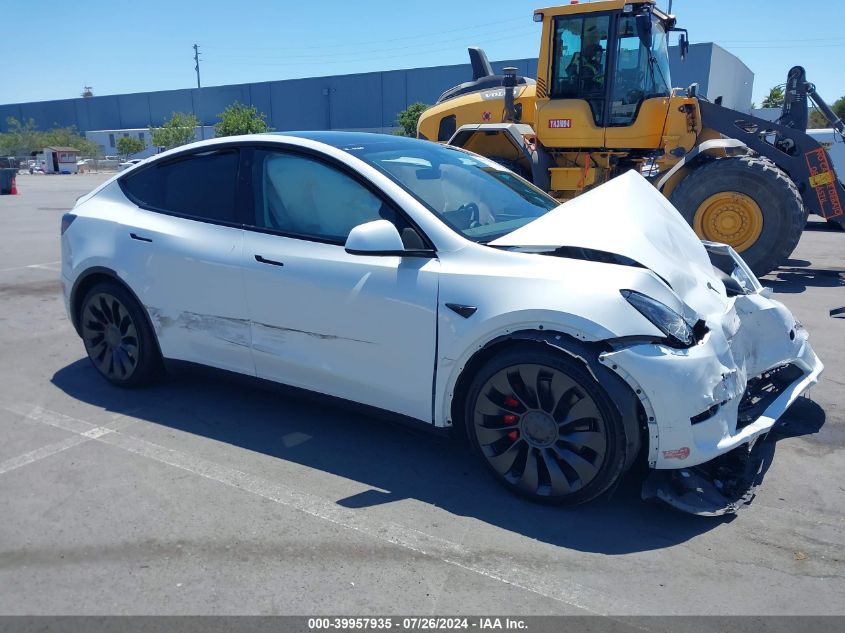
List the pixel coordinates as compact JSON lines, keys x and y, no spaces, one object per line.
{"x":366,"y":101}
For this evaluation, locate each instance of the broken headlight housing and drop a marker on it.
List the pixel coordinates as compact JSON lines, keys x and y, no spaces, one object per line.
{"x":740,"y":279}
{"x":664,"y":318}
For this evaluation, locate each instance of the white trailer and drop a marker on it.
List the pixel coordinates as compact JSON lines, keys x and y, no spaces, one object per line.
{"x":60,"y":160}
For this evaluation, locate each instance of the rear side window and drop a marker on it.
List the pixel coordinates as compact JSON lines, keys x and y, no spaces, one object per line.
{"x":199,"y":185}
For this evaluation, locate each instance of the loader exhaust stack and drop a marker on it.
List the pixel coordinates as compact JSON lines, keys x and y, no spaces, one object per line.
{"x":509,"y":83}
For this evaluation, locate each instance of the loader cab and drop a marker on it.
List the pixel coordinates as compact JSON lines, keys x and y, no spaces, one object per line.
{"x":603,"y":66}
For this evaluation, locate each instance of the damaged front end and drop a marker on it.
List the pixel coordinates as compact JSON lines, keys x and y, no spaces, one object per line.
{"x":754,"y":361}
{"x":721,"y":486}
{"x":714,"y":361}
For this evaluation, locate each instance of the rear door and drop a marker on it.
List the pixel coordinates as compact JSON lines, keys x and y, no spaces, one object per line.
{"x":193,"y":237}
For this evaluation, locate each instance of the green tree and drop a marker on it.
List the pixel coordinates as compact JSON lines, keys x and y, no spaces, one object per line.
{"x":179,"y":130}
{"x":128,"y":145}
{"x":774,"y":99}
{"x":241,"y":119}
{"x":24,"y":138}
{"x":93,"y":150}
{"x":408,"y":118}
{"x":818,"y":120}
{"x":21,"y":139}
{"x":69,"y":137}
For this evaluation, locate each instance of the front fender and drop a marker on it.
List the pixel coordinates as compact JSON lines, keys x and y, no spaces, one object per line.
{"x":621,"y":395}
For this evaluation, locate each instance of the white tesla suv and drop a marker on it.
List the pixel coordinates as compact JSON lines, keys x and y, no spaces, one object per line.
{"x":566,"y":340}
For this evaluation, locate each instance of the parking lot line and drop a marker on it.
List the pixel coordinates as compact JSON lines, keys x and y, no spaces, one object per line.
{"x":52,"y":266}
{"x":41,"y":453}
{"x":504,"y":570}
{"x":83,"y":431}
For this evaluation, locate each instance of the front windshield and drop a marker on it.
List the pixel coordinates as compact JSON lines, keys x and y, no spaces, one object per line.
{"x":476,"y":197}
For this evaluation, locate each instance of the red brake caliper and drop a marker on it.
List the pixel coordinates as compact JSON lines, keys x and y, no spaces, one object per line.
{"x":510,"y":418}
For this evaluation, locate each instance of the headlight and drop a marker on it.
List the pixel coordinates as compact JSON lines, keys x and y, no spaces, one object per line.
{"x":662,"y":316}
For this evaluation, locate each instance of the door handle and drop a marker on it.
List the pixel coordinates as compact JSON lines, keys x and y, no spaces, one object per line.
{"x":135,"y":236}
{"x":263,"y":260}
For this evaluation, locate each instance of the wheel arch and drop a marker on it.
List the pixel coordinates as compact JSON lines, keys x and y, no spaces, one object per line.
{"x":625,"y":401}
{"x":667,"y":182}
{"x":88,"y":280}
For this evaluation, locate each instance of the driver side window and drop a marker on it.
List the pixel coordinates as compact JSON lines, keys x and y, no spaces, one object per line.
{"x":300,"y":196}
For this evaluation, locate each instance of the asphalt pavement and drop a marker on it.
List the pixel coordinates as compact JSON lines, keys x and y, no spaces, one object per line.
{"x":206,"y":494}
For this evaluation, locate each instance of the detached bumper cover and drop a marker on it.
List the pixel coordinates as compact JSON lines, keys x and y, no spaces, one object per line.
{"x":724,"y":392}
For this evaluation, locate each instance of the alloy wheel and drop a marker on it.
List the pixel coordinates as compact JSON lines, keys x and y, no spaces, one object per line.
{"x":540,"y":430}
{"x":110,"y":336}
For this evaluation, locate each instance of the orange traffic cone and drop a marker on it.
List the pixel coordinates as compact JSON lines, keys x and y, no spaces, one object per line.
{"x":14,"y":191}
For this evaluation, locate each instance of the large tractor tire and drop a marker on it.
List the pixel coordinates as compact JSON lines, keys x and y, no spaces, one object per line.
{"x":746,"y":202}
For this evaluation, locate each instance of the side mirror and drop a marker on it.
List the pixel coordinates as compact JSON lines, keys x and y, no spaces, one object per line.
{"x":374,"y":238}
{"x":380,"y":237}
{"x":683,"y":45}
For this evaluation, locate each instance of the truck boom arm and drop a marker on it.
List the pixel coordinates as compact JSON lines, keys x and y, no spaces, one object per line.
{"x":794,"y":113}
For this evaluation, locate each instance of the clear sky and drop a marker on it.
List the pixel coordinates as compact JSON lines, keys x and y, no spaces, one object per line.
{"x":50,"y":50}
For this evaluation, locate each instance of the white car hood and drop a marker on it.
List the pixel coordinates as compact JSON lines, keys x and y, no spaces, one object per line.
{"x":627,"y":216}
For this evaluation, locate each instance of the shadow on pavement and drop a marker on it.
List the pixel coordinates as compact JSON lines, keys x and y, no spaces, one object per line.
{"x":822,"y":225}
{"x":796,"y":280}
{"x":406,"y":462}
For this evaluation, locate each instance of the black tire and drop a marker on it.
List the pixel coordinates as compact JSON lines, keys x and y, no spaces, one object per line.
{"x":556,"y":458}
{"x":761,"y":180}
{"x":117,"y":336}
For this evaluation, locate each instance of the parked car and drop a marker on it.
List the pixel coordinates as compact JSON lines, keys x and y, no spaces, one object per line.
{"x":567,"y":341}
{"x":128,"y":163}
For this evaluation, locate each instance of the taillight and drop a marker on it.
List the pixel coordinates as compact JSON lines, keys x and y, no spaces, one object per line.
{"x":67,"y":220}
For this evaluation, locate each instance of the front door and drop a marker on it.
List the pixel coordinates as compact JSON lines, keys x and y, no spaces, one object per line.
{"x":573,"y":116}
{"x":357,"y":327}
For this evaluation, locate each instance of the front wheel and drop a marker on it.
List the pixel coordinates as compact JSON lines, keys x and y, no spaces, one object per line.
{"x":545,"y":427}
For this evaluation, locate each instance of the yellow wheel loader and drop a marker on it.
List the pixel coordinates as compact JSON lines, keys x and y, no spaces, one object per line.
{"x":602,"y":103}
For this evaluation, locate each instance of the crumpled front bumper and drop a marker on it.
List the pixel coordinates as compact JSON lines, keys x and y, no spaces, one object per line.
{"x":697,"y":401}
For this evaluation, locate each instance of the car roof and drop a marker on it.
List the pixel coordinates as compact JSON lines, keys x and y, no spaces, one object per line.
{"x":347,"y":140}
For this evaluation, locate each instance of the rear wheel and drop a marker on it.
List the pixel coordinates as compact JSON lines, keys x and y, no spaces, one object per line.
{"x":119,"y":342}
{"x":746,"y":202}
{"x":545,"y":428}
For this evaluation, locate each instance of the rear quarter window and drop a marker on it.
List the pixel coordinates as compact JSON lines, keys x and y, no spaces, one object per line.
{"x":201,"y":186}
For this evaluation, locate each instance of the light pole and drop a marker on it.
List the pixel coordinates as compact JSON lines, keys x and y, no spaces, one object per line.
{"x":199,"y":87}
